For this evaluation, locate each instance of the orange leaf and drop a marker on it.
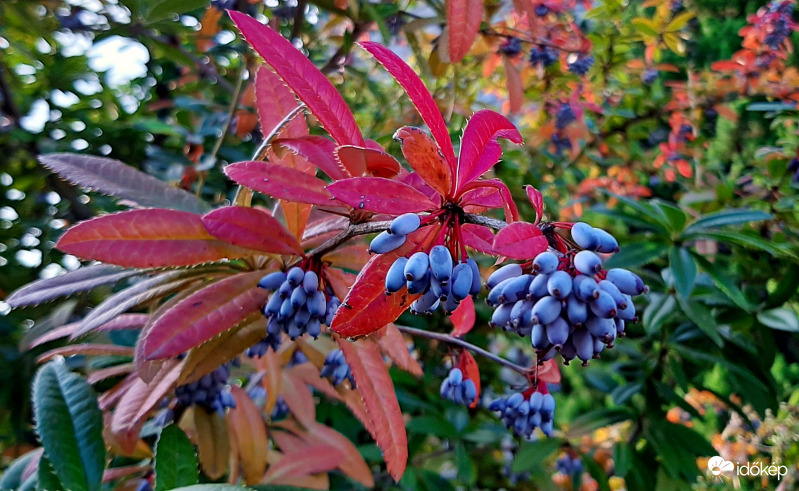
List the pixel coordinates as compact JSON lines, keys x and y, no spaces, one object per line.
{"x":249,"y":433}
{"x":393,"y":345}
{"x":471,"y":371}
{"x":425,"y":158}
{"x":310,"y":460}
{"x":515,"y":88}
{"x":86,"y":349}
{"x":382,"y":407}
{"x":210,"y":434}
{"x":298,"y":398}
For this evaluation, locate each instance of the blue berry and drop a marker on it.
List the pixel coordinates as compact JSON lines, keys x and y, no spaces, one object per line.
{"x":503,"y":273}
{"x":209,"y":392}
{"x":386,"y":242}
{"x":581,"y":65}
{"x":395,"y":277}
{"x":405,"y":224}
{"x":587,"y":263}
{"x":545,"y":263}
{"x":336,"y":369}
{"x":524,"y":416}
{"x":272,"y":281}
{"x":417,"y":266}
{"x":441,"y":263}
{"x":511,"y":46}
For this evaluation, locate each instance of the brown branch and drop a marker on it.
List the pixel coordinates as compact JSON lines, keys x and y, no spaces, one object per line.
{"x":446,"y":338}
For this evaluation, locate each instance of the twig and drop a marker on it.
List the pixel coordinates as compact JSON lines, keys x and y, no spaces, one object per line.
{"x":492,"y":223}
{"x":446,"y":338}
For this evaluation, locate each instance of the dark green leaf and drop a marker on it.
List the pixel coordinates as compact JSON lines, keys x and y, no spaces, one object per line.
{"x":782,"y":318}
{"x":622,"y":458}
{"x":13,"y":475}
{"x":46,"y":479}
{"x":683,"y":270}
{"x":786,"y":287}
{"x":432,"y":425}
{"x":726,"y":217}
{"x":70,"y":426}
{"x":747,"y":241}
{"x":675,"y":216}
{"x":724,"y":283}
{"x":701,"y":316}
{"x":533,"y":453}
{"x":623,"y":393}
{"x":636,"y":254}
{"x":659,"y":308}
{"x":175,"y":460}
{"x":167,"y":8}
{"x":588,"y":422}
{"x":466,"y":468}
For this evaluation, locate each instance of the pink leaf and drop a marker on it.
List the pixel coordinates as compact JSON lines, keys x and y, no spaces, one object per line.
{"x":515,"y":87}
{"x":511,"y":212}
{"x":204,"y":314}
{"x":274,"y":101}
{"x":382,"y":407}
{"x":309,"y":460}
{"x":380,"y":195}
{"x":85,"y":349}
{"x":367,"y":161}
{"x":318,"y":151}
{"x":125,"y":321}
{"x":251,"y":228}
{"x":537,"y":201}
{"x":298,"y":398}
{"x":419,"y":95}
{"x":425,"y":158}
{"x":463,"y":25}
{"x":297,"y":71}
{"x":483,"y":198}
{"x":479,"y":147}
{"x":146,"y":239}
{"x":520,"y":240}
{"x":79,"y":280}
{"x":479,"y":238}
{"x":366,"y":307}
{"x":463,"y":318}
{"x":279,"y":182}
{"x":549,"y":372}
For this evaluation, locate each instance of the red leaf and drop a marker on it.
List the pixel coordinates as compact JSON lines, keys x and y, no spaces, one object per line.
{"x":318,"y":151}
{"x":367,"y":308}
{"x":309,"y":460}
{"x":280,"y":182}
{"x":419,"y":95}
{"x":463,"y":318}
{"x":393,"y":345}
{"x":367,"y":161}
{"x":425,"y":158}
{"x":479,"y":238}
{"x":511,"y":212}
{"x":482,"y":198}
{"x":520,"y":240}
{"x":352,"y":464}
{"x":537,"y":200}
{"x":479,"y":147}
{"x":297,"y":71}
{"x":274,"y":101}
{"x":463,"y":25}
{"x":377,"y":390}
{"x":350,"y":257}
{"x":471,"y":371}
{"x":204,"y":314}
{"x":515,"y":87}
{"x":147,"y":239}
{"x":251,"y":228}
{"x":380,"y":195}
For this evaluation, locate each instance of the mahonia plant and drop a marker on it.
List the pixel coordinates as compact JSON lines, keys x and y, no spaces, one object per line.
{"x":211,"y":276}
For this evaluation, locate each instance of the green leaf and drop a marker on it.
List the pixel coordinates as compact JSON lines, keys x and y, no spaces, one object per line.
{"x":786,"y":288}
{"x":781,"y":318}
{"x":432,"y":425}
{"x":46,"y":478}
{"x":722,"y":218}
{"x":622,"y":458}
{"x":166,"y":8}
{"x":659,"y":308}
{"x":675,"y":216}
{"x":70,"y":426}
{"x":701,"y":316}
{"x":12,"y":477}
{"x":597,"y":472}
{"x":532,"y":453}
{"x":230,"y":487}
{"x":590,"y":421}
{"x":466,"y":468}
{"x":683,"y":270}
{"x":175,"y":460}
{"x":678,"y":447}
{"x":747,"y":241}
{"x":623,"y":393}
{"x":636,"y":254}
{"x":724,"y":283}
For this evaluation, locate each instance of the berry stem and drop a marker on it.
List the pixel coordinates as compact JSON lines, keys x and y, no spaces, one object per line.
{"x":446,"y":338}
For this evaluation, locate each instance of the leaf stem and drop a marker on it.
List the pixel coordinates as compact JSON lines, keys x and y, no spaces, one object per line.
{"x":446,"y":338}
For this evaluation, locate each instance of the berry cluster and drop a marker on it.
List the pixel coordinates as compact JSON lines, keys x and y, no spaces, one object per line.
{"x":564,"y":116}
{"x":649,"y":76}
{"x":569,"y":465}
{"x":337,"y":369}
{"x":775,"y":22}
{"x":396,"y":234}
{"x":457,"y":389}
{"x":568,"y":302}
{"x":298,"y":306}
{"x":512,"y":46}
{"x":258,"y":395}
{"x":523,"y":415}
{"x":543,"y":55}
{"x":437,"y":277}
{"x":210,"y":392}
{"x":581,"y":65}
